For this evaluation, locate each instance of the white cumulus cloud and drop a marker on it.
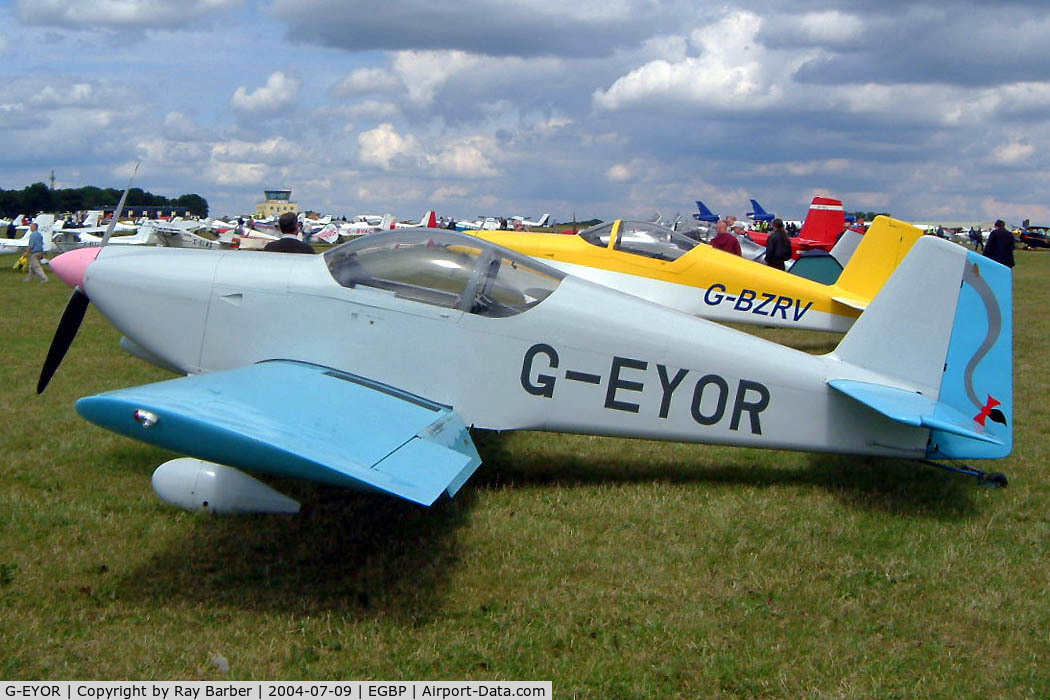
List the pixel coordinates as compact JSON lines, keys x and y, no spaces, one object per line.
{"x":383,"y":146}
{"x":368,"y":80}
{"x":463,"y":160}
{"x":280,"y":92}
{"x":732,"y":70}
{"x":423,"y":72}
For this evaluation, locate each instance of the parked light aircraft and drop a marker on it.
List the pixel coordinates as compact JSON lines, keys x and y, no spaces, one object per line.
{"x":71,"y":239}
{"x":272,"y":341}
{"x":540,"y":223}
{"x":44,"y":224}
{"x":363,"y":226}
{"x":705,"y":214}
{"x":180,"y":234}
{"x":329,"y":233}
{"x":757,"y":213}
{"x":428,"y":220}
{"x":657,"y":264}
{"x":825,"y":221}
{"x":17,"y":221}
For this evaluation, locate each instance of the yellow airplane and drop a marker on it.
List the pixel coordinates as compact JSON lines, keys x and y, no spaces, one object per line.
{"x":657,"y":264}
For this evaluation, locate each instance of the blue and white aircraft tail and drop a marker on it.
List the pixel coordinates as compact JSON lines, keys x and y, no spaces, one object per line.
{"x":757,"y":213}
{"x":705,"y":214}
{"x":945,"y":364}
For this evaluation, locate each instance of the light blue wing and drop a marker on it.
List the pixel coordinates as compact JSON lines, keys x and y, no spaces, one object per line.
{"x":299,"y":420}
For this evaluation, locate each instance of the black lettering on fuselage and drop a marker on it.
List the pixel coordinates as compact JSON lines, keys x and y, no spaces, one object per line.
{"x":544,"y":385}
{"x":753,"y":408}
{"x":698,"y":396}
{"x":668,"y":387}
{"x":616,"y":383}
{"x":707,"y":406}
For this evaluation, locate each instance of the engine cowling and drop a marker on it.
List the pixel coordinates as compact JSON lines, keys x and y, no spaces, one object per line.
{"x":194,"y":484}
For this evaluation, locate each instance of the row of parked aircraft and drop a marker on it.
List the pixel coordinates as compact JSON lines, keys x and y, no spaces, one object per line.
{"x":209,"y":233}
{"x":418,"y":334}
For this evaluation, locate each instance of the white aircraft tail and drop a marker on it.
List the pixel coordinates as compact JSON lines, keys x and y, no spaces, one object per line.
{"x":945,"y":361}
{"x":846,"y":246}
{"x":388,"y":222}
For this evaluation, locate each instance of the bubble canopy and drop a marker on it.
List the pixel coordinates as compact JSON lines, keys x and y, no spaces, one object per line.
{"x":640,"y":238}
{"x":444,"y":268}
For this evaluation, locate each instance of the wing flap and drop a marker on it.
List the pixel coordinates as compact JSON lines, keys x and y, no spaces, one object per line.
{"x":911,"y":408}
{"x":299,"y":420}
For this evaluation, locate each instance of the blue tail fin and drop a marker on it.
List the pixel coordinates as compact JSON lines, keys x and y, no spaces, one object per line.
{"x":978,"y":378}
{"x":758,"y":213}
{"x":705,"y":213}
{"x":944,"y":363}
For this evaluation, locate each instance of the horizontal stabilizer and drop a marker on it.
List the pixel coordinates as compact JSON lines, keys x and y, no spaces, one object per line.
{"x":852,"y":302}
{"x":299,"y":420}
{"x":910,"y":408}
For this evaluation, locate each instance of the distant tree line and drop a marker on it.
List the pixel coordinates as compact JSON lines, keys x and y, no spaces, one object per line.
{"x":38,"y":197}
{"x":866,"y":215}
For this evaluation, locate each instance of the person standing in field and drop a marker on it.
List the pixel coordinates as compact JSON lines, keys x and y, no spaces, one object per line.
{"x":1000,"y":245}
{"x":34,"y":251}
{"x":778,"y":246}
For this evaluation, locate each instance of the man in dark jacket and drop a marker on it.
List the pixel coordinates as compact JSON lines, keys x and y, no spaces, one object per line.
{"x":1000,"y":245}
{"x":778,"y":246}
{"x":289,"y":241}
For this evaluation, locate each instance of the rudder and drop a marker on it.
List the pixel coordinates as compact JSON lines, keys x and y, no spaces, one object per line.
{"x":937,"y":342}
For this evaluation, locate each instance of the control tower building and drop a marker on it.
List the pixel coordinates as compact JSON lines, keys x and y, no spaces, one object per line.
{"x":277,"y":202}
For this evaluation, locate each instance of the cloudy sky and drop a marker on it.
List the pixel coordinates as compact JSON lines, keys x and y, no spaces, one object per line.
{"x":602,"y":108}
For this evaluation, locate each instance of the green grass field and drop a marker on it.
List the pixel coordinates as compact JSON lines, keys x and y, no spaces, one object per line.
{"x":615,"y":568}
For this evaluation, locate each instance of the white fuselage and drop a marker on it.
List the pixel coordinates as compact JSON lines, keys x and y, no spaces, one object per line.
{"x":587,"y":359}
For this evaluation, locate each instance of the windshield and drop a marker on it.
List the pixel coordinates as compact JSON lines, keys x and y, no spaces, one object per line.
{"x":652,"y":241}
{"x":598,"y":235}
{"x":641,"y":238}
{"x":444,"y":268}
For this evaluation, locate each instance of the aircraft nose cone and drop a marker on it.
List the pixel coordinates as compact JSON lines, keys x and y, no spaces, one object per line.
{"x":70,"y":267}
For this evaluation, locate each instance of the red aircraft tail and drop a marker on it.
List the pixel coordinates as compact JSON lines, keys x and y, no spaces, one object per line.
{"x":824,"y":222}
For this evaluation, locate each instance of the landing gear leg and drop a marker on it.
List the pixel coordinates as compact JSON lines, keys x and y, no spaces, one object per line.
{"x":993,"y":480}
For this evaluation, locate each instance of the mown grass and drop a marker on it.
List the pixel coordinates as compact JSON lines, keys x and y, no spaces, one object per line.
{"x":615,"y":568}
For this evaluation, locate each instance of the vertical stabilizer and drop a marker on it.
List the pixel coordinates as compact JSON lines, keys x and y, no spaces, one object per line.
{"x":937,"y":344}
{"x":705,"y":214}
{"x":825,"y":220}
{"x":878,"y":254}
{"x":757,"y":213}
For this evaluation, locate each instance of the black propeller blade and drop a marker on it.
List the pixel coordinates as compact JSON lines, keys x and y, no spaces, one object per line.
{"x":64,"y":334}
{"x":73,"y":316}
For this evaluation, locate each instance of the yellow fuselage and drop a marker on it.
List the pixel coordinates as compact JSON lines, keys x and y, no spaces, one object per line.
{"x":711,"y":283}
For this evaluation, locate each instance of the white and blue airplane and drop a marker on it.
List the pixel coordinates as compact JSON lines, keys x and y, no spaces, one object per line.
{"x":417,"y":335}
